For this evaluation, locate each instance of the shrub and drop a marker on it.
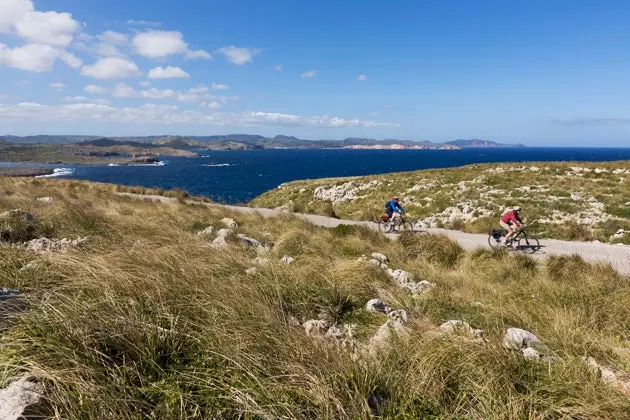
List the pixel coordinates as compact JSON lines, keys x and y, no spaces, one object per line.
{"x":436,"y":249}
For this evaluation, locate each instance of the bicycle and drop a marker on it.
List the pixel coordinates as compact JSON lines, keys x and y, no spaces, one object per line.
{"x":400,"y":225}
{"x":524,"y":241}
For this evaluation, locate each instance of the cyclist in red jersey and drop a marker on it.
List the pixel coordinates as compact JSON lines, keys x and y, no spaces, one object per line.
{"x":511,"y":222}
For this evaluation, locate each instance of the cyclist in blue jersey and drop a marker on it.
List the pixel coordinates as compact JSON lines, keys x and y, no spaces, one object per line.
{"x":393,"y":209}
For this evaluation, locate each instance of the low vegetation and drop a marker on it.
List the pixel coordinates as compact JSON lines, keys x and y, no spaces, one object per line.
{"x":151,"y":320}
{"x":572,"y":200}
{"x":79,"y":154}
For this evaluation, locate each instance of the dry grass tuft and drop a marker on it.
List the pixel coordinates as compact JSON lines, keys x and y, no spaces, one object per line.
{"x":148,"y":321}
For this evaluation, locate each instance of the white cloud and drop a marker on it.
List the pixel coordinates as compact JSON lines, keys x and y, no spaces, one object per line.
{"x":12,"y":11}
{"x":115,"y":38}
{"x":159,"y":44}
{"x":133,"y":22}
{"x":219,"y":86}
{"x":123,"y":90}
{"x":95,"y":89}
{"x":75,"y":99}
{"x":31,"y":57}
{"x":309,"y":73}
{"x":111,"y":68}
{"x":58,"y":85}
{"x":152,"y":114}
{"x":168,"y":73}
{"x":50,"y":28}
{"x":278,"y":67}
{"x":198,"y":54}
{"x":70,"y":59}
{"x":238,"y":56}
{"x":144,"y":83}
{"x":362,"y":77}
{"x":211,"y":105}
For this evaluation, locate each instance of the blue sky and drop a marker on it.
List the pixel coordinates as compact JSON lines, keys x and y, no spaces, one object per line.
{"x":539,"y":72}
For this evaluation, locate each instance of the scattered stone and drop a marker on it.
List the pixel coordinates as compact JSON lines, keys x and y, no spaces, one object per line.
{"x":251,"y":271}
{"x":16,"y":225}
{"x":260,"y":260}
{"x":19,"y":396}
{"x":420,"y":287}
{"x":607,"y":375}
{"x":231,"y":223}
{"x":619,"y":234}
{"x":334,"y":332}
{"x":288,"y":260}
{"x":247,"y":241}
{"x":209,"y":231}
{"x":376,"y":263}
{"x":342,"y":193}
{"x":398,"y":315}
{"x":456,"y":326}
{"x":385,"y":333}
{"x":377,"y":306}
{"x":45,"y":199}
{"x":220,"y":240}
{"x":519,"y":339}
{"x":380,"y":257}
{"x":362,"y":258}
{"x":531,"y":354}
{"x":401,"y":277}
{"x":54,"y":245}
{"x":316,"y":327}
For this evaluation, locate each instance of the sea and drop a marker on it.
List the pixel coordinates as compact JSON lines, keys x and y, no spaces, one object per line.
{"x":236,"y":177}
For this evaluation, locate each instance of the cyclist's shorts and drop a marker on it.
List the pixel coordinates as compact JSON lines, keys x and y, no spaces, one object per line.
{"x":504,"y":225}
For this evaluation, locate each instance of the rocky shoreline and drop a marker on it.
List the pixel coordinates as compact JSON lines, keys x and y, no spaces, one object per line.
{"x":25,"y":172}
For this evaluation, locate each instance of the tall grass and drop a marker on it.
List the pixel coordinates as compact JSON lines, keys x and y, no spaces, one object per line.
{"x":150,"y":322}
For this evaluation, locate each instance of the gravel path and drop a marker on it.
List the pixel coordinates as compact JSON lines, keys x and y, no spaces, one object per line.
{"x":617,"y":255}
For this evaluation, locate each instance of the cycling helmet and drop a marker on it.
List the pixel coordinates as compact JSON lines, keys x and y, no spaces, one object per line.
{"x":517,"y":208}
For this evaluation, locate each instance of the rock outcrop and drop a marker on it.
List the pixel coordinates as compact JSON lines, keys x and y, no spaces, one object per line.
{"x":54,"y":245}
{"x":18,"y":397}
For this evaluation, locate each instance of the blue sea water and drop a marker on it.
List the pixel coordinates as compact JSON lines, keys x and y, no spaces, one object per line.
{"x":243,"y":175}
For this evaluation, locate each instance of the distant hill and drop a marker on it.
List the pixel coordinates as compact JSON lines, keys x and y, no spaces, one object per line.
{"x":480,"y":144}
{"x":249,"y":142}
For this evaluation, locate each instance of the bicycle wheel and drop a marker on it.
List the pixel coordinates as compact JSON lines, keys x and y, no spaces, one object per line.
{"x":528,"y":244}
{"x":495,"y":240}
{"x":403,"y":226}
{"x":385,"y":227}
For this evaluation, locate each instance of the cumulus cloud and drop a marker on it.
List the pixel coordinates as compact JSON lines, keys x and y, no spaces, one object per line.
{"x":46,"y":35}
{"x":238,"y":56}
{"x":95,"y":89}
{"x":20,"y":18}
{"x":160,"y":44}
{"x":362,"y":77}
{"x":75,"y":99}
{"x":219,"y":86}
{"x":111,"y":68}
{"x":152,"y":114}
{"x":309,"y":73}
{"x":144,"y":83}
{"x":50,"y":28}
{"x":167,"y":73}
{"x":123,"y":90}
{"x":278,"y":67}
{"x":198,"y":54}
{"x":57,"y":85}
{"x":32,"y":57}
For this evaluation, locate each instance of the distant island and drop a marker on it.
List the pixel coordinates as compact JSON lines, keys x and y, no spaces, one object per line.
{"x":247,"y":142}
